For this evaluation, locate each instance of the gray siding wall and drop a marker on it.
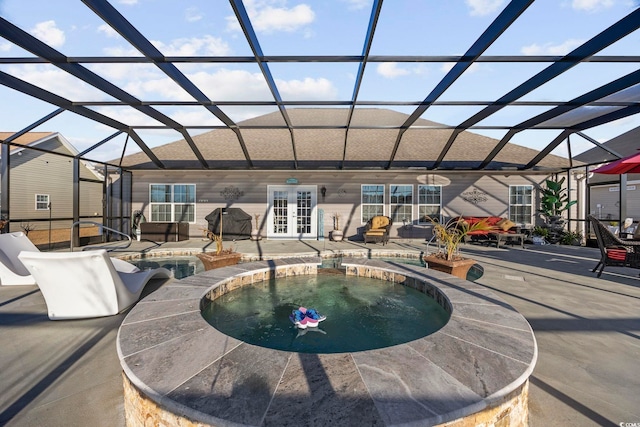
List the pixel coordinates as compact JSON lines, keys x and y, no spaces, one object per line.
{"x":604,"y":202}
{"x":35,"y":172}
{"x":342,"y":196}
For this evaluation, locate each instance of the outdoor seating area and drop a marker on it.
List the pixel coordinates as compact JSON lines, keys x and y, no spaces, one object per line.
{"x":12,"y":271}
{"x":80,"y":285}
{"x":75,"y":285}
{"x":528,"y":279}
{"x":377,"y":230}
{"x":615,"y":252}
{"x":460,"y":187}
{"x":495,"y":226}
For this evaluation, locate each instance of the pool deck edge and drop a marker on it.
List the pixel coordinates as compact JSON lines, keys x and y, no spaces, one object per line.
{"x":485,"y":338}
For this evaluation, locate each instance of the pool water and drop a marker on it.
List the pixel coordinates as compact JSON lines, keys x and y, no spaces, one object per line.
{"x":362,"y":314}
{"x":180,"y":266}
{"x":184,"y":266}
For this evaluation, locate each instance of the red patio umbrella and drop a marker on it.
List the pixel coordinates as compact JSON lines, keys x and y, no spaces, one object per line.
{"x":630,"y":164}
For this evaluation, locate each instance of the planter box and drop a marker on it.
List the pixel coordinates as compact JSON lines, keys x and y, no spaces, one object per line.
{"x":458,"y":268}
{"x":212,"y":261}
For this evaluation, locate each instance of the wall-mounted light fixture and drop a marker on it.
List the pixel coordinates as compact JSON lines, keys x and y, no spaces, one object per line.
{"x":323,"y":191}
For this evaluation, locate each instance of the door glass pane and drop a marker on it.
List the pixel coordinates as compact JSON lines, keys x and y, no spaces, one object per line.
{"x":304,"y":212}
{"x":280,"y":211}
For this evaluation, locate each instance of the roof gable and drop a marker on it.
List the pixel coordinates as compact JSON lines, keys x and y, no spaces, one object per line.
{"x":320,"y":139}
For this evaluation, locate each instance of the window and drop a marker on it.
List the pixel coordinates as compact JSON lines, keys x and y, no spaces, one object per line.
{"x":372,"y":201}
{"x":520,"y":204}
{"x":429,"y":203}
{"x":401,"y":203}
{"x":42,"y":202}
{"x":172,"y":203}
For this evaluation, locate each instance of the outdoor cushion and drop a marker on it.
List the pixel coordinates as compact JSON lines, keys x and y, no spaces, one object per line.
{"x":617,"y":254}
{"x":507,"y":224}
{"x":379,"y":222}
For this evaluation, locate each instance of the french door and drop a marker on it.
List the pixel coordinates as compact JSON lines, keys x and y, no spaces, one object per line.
{"x":292,"y":212}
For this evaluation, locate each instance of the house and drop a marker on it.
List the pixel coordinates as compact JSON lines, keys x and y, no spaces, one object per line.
{"x":301,"y":187}
{"x":606,"y":200}
{"x":41,"y":185}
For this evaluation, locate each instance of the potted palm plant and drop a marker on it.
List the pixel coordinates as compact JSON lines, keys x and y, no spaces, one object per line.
{"x":554,"y":201}
{"x":449,"y":235}
{"x":222,"y":257}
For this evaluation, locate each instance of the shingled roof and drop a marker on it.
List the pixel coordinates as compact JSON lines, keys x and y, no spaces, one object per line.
{"x":319,"y":143}
{"x":28,"y":138}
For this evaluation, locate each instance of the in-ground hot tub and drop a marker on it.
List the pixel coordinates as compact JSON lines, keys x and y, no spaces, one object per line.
{"x":178,"y":370}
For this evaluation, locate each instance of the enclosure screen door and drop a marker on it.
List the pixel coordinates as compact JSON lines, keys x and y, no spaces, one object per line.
{"x":292,"y":213}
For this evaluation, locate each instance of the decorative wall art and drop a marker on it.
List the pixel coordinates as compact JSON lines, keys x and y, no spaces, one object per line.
{"x":474,"y":196}
{"x":231,"y":193}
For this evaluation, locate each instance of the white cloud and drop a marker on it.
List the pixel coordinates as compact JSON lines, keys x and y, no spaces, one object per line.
{"x":128,"y":115}
{"x":591,"y":5}
{"x":128,"y":2}
{"x":266,"y":16}
{"x":390,"y":70}
{"x":160,"y":87}
{"x":206,"y":45}
{"x":48,"y":33}
{"x":551,"y":49}
{"x":5,"y":47}
{"x":119,"y":51}
{"x":358,"y":4}
{"x":192,"y":14}
{"x":483,"y":7}
{"x":108,"y":31}
{"x":237,"y":85}
{"x":57,"y":81}
{"x":307,"y":89}
{"x":445,"y":67}
{"x":203,"y":46}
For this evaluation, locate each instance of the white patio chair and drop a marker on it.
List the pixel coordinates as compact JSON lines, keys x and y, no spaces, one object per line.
{"x":13,"y":272}
{"x":78,"y":285}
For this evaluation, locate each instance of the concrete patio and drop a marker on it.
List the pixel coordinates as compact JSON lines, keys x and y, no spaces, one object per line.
{"x":67,"y":373}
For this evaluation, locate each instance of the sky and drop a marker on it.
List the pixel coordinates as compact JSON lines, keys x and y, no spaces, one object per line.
{"x":311,"y":27}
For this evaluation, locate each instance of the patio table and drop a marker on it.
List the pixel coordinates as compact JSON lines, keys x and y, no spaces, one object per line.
{"x":506,"y":237}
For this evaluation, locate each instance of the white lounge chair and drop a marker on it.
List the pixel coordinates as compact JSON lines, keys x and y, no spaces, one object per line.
{"x":13,"y":272}
{"x":78,"y":285}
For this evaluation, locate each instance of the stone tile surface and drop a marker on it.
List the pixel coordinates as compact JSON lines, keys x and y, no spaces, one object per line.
{"x":169,"y":350}
{"x":323,"y":389}
{"x":238,"y":387}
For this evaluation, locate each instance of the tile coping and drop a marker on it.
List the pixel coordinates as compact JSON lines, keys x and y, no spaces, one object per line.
{"x":168,"y":351}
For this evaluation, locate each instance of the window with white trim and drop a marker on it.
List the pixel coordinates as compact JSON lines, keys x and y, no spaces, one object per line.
{"x":521,"y":204}
{"x":42,"y":202}
{"x":401,"y":203}
{"x":429,"y":203}
{"x":372,"y":201}
{"x":172,"y":202}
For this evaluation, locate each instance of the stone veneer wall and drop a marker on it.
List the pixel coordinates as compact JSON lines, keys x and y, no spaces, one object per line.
{"x":511,"y":411}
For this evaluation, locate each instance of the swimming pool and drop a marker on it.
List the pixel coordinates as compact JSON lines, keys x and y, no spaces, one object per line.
{"x":185,"y":266}
{"x":361,"y":313}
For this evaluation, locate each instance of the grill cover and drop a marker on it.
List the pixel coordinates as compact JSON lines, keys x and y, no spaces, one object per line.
{"x":236,"y":223}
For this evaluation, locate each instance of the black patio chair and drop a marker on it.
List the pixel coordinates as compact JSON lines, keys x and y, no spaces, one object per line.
{"x":614,"y":251}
